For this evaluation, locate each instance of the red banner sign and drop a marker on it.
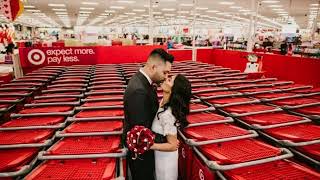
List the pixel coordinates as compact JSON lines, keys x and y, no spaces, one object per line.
{"x":66,"y":56}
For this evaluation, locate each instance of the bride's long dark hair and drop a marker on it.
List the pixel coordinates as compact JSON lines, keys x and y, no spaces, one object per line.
{"x":179,"y":100}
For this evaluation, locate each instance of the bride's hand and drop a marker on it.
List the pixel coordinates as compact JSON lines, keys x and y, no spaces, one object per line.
{"x":166,"y":147}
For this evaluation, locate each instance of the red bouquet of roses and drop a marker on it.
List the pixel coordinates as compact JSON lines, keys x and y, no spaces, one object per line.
{"x":139,"y":140}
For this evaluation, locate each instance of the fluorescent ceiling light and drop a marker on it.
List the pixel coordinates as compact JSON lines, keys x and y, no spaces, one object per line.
{"x":168,"y":9}
{"x":183,"y":12}
{"x":278,"y":9}
{"x":201,"y":8}
{"x":244,"y":10}
{"x":226,"y":3}
{"x":212,"y":11}
{"x":275,"y":5}
{"x":130,"y":13}
{"x":154,"y":6}
{"x":86,"y":8}
{"x":157,"y":13}
{"x":110,"y":11}
{"x":90,"y":3}
{"x":55,"y":9}
{"x":186,"y":5}
{"x":33,"y":10}
{"x":236,"y":7}
{"x":169,"y":14}
{"x":281,"y":12}
{"x":314,"y":4}
{"x":61,"y":13}
{"x":116,"y":7}
{"x":313,"y":8}
{"x":138,"y":10}
{"x":126,"y":1}
{"x":85,"y":12}
{"x":123,"y":15}
{"x":29,"y":6}
{"x":57,"y":5}
{"x":181,"y":16}
{"x":270,"y":2}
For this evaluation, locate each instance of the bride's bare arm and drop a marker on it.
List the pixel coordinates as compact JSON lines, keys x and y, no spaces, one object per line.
{"x":171,"y":145}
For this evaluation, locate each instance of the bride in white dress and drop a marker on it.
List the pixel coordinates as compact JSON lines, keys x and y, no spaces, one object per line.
{"x":171,"y":115}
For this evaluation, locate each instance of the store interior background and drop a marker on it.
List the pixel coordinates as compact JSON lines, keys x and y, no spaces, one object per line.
{"x":286,"y":28}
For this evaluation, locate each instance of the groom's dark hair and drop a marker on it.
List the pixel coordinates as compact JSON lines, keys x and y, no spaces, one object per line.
{"x":161,"y":54}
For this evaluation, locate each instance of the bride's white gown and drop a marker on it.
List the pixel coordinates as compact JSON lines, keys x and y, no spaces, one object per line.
{"x":166,"y":162}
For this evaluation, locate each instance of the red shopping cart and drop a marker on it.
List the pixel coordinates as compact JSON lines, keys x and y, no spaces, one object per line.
{"x":283,"y":169}
{"x":90,"y":169}
{"x":16,"y":162}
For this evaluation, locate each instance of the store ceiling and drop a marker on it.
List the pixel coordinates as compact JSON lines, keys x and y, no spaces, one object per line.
{"x":68,"y":13}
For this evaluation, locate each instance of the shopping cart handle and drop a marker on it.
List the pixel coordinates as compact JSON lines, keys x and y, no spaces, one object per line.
{"x":73,"y":119}
{"x":215,"y":166}
{"x":99,"y":107}
{"x":76,"y":103}
{"x":192,"y":142}
{"x":261,"y":92}
{"x":44,"y":144}
{"x":281,"y":98}
{"x":62,"y":134}
{"x":253,"y":113}
{"x":64,"y":90}
{"x":23,"y":170}
{"x":203,"y":110}
{"x":57,"y":126}
{"x":311,"y":94}
{"x":265,"y":79}
{"x":195,"y":101}
{"x":18,"y":94}
{"x":301,"y":106}
{"x":59,"y":96}
{"x":68,"y":113}
{"x":17,"y":88}
{"x":12,"y":101}
{"x":43,"y":156}
{"x":257,"y":126}
{"x":250,"y":86}
{"x":104,"y":93}
{"x":297,"y":88}
{"x":210,"y":90}
{"x":102,"y":99}
{"x":226,"y":120}
{"x":293,"y":144}
{"x":222,"y":96}
{"x":237,"y":103}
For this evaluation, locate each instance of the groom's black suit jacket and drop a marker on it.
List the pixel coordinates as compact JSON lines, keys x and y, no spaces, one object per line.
{"x":140,"y":108}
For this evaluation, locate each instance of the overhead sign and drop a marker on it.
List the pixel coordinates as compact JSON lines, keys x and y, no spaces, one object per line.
{"x":66,"y":56}
{"x":57,"y":56}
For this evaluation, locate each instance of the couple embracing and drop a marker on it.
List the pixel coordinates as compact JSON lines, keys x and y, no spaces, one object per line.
{"x":142,"y":108}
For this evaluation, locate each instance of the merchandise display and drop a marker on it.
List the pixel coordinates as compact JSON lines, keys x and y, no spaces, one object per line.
{"x":160,"y":90}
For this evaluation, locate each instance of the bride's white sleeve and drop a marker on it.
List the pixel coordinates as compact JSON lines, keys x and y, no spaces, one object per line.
{"x":167,"y":122}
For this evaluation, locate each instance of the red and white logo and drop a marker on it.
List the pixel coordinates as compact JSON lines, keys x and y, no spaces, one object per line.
{"x":183,"y":153}
{"x":36,"y":57}
{"x":201,"y":175}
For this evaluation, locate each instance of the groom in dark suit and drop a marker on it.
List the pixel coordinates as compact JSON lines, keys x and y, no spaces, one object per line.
{"x":141,"y":105}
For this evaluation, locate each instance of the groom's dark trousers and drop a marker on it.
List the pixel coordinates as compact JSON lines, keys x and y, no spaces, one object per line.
{"x":140,"y":108}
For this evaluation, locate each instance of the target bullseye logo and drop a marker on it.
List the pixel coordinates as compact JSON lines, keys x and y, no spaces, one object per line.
{"x":201,"y":175}
{"x":183,"y":153}
{"x":36,"y":57}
